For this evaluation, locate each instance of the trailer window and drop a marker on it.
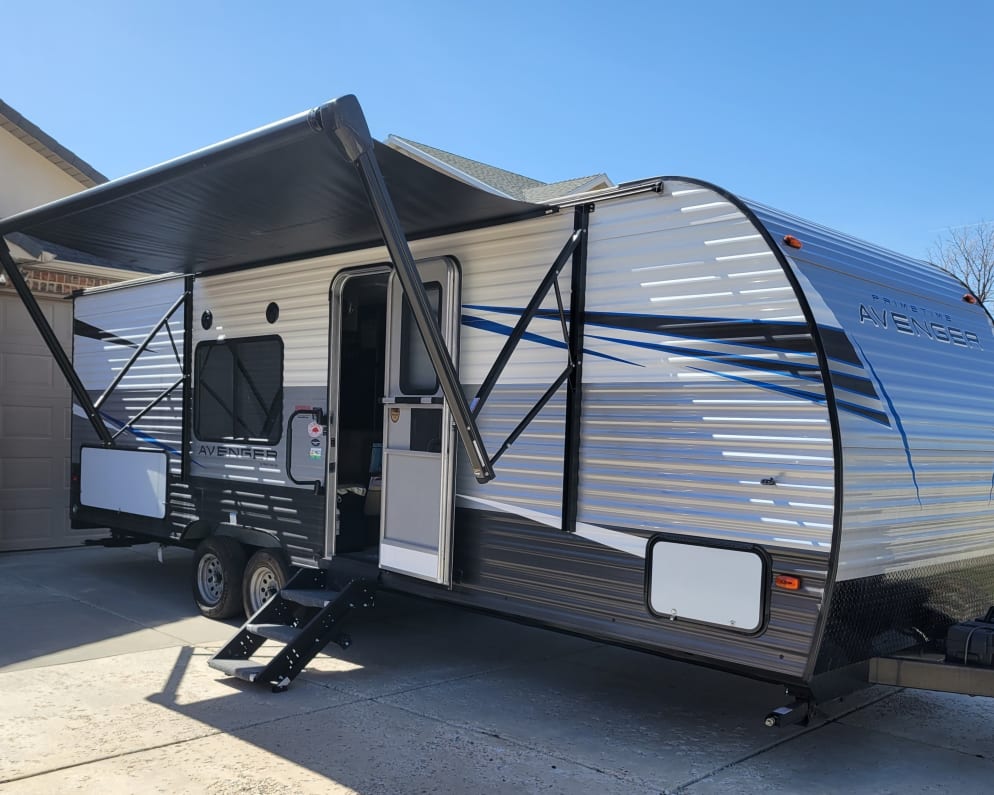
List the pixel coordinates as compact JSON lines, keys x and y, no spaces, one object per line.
{"x":239,"y":390}
{"x":417,"y":375}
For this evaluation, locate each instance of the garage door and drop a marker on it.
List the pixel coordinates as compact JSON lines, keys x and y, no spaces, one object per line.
{"x":34,"y":431}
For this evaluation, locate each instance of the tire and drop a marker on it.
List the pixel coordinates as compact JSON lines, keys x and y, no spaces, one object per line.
{"x":218,"y":567}
{"x":265,"y":575}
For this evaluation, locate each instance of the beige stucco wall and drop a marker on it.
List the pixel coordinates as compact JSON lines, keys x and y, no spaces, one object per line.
{"x":27,"y":179}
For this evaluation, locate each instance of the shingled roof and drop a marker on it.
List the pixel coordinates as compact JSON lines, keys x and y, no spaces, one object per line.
{"x":497,"y":180}
{"x":45,"y":145}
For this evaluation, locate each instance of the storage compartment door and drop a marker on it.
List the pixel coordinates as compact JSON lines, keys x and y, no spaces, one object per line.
{"x":128,"y":481}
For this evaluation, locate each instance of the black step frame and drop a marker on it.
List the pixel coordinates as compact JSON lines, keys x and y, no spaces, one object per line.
{"x":318,"y":626}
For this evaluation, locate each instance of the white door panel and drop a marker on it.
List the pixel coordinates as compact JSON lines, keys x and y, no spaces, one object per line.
{"x":418,"y":436}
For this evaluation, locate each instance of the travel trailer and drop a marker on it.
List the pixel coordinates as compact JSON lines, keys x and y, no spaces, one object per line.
{"x":657,"y":415}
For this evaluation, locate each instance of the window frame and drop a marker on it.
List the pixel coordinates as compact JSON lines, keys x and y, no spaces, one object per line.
{"x":276,"y":432}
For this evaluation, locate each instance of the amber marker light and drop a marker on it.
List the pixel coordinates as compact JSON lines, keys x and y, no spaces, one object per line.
{"x":787,"y":583}
{"x":793,"y":242}
{"x":970,"y":298}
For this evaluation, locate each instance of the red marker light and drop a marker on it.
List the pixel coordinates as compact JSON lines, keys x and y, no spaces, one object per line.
{"x":793,"y":242}
{"x":970,"y":298}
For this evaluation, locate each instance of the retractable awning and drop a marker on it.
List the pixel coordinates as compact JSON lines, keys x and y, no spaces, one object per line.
{"x":281,"y":192}
{"x":311,"y":184}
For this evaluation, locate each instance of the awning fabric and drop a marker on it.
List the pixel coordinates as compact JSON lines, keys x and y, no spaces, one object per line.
{"x":279,"y":193}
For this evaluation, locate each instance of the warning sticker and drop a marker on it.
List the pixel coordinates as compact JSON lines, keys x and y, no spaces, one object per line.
{"x":315,"y":452}
{"x":313,"y":429}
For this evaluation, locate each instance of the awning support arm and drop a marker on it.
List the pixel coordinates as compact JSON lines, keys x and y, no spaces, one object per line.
{"x":343,"y":122}
{"x":529,"y":312}
{"x":79,"y":392}
{"x":141,"y":349}
{"x":162,"y":396}
{"x":526,"y":421}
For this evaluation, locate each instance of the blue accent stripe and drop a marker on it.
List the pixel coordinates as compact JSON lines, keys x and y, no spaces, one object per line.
{"x":138,"y":434}
{"x":897,"y":421}
{"x":786,"y":390}
{"x":689,"y":320}
{"x":500,"y":328}
{"x":727,"y":358}
{"x":694,"y":327}
{"x":731,"y":331}
{"x":870,"y":414}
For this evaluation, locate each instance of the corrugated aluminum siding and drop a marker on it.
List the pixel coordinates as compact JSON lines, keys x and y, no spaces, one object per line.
{"x":917,"y":483}
{"x":109,"y":325}
{"x":501,"y":267}
{"x":718,"y":388}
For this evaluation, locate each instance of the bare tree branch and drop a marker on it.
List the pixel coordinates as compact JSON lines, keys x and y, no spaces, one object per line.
{"x":968,"y":254}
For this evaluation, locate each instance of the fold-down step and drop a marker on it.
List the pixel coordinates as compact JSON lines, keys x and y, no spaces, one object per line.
{"x":304,"y":617}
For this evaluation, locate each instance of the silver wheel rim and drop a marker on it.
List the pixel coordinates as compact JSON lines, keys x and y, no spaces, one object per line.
{"x":262,"y":585}
{"x":210,"y":579}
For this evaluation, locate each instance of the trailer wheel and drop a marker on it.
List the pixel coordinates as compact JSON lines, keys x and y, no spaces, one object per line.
{"x":218,"y":566}
{"x":265,"y":575}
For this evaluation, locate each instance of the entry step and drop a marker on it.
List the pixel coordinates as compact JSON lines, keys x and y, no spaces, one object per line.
{"x":237,"y":668}
{"x":303,"y":618}
{"x":277,"y":632}
{"x":310,"y":597}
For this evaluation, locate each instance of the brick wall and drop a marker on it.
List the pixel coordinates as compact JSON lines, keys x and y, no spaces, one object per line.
{"x":56,"y":283}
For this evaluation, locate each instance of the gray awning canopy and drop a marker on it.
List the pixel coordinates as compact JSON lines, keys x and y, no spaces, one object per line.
{"x":279,"y":193}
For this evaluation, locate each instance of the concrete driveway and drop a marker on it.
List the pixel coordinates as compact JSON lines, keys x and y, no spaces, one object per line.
{"x":104,"y":688}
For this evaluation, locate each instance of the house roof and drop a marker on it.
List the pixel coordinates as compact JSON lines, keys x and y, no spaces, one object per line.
{"x":498,"y":180}
{"x":45,"y":145}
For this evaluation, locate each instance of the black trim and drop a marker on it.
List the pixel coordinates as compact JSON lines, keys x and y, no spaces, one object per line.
{"x":250,"y":536}
{"x":838,"y":346}
{"x":840,"y":351}
{"x":574,"y":383}
{"x":413,"y":400}
{"x":713,"y":543}
{"x":854,"y":383}
{"x":81,"y":329}
{"x":186,"y":422}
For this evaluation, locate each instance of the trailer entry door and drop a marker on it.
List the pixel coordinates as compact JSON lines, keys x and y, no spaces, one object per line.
{"x":418,"y":433}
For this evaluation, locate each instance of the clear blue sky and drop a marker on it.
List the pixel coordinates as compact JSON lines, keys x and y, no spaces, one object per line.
{"x":871,"y":117}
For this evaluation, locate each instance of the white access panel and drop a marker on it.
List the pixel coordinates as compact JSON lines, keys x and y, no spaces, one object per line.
{"x":130,"y":481}
{"x":410,"y":542}
{"x":709,"y":584}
